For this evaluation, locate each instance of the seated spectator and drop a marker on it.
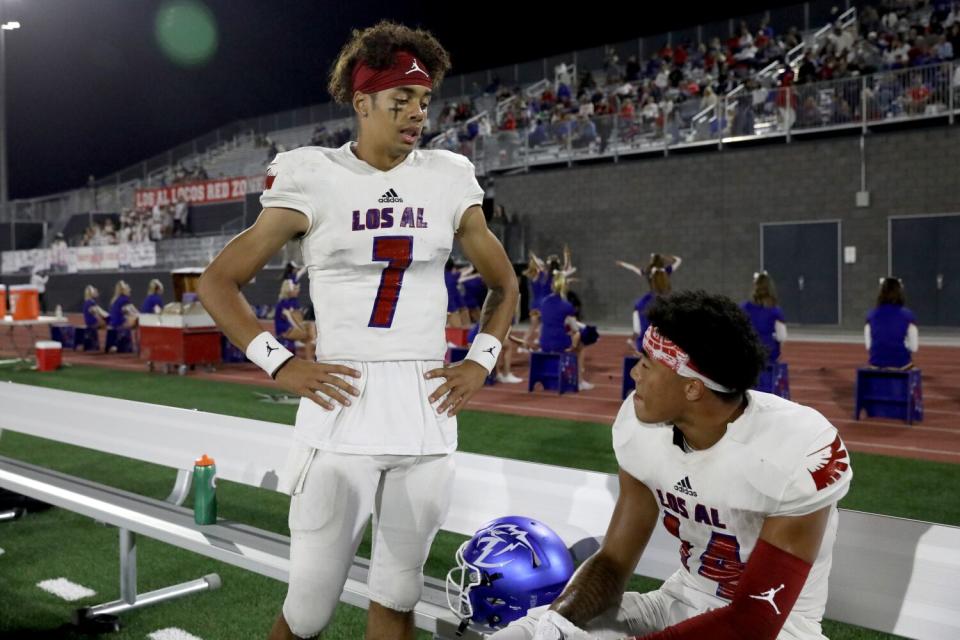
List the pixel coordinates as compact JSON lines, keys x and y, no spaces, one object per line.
{"x":539,"y":135}
{"x":766,"y":316}
{"x":154,"y":300}
{"x":180,"y":212}
{"x":897,"y":55}
{"x":918,"y":96}
{"x":58,"y":253}
{"x":944,"y":48}
{"x":890,"y":332}
{"x":584,"y":133}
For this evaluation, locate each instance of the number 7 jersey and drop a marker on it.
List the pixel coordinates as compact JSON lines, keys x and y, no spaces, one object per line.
{"x":376,"y":246}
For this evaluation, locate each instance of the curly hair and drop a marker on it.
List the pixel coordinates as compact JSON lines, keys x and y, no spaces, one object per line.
{"x":716,"y":333}
{"x":376,"y":46}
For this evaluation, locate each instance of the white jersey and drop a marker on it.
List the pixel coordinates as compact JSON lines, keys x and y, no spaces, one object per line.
{"x":777,"y":459}
{"x":376,"y":246}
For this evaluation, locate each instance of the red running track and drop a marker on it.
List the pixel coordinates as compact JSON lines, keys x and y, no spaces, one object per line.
{"x":821,"y":375}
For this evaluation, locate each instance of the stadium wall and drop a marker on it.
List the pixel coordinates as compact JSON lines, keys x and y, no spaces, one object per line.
{"x":708,"y":207}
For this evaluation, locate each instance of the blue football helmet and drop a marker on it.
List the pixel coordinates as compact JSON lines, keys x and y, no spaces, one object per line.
{"x":510,"y":565}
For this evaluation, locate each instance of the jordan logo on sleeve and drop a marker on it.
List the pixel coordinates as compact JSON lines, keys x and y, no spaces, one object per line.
{"x":490,"y":351}
{"x":767,"y":596}
{"x":271,"y":349}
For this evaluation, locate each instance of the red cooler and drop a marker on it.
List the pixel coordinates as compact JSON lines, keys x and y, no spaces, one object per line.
{"x":3,"y":300}
{"x":49,"y":355}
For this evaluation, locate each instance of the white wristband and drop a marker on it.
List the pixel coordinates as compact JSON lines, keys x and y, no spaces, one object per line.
{"x":485,"y":351}
{"x":267,"y":353}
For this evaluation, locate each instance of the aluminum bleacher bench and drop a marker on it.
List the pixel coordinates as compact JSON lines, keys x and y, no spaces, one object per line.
{"x":890,"y":574}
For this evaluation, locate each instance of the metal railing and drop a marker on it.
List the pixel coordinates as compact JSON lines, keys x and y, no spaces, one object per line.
{"x":864,"y":102}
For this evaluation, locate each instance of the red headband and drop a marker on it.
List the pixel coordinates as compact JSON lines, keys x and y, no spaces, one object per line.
{"x":661,"y":348}
{"x":406,"y":70}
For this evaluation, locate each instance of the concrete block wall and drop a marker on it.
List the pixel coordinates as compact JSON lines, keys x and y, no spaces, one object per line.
{"x":707,"y":207}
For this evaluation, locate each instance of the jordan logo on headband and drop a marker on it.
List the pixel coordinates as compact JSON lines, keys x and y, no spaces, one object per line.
{"x":414,"y":67}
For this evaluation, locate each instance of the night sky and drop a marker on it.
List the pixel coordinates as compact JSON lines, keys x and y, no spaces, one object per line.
{"x":91,"y":90}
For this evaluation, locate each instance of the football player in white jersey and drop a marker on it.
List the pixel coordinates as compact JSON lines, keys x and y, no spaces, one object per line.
{"x":747,"y":482}
{"x":376,"y":430}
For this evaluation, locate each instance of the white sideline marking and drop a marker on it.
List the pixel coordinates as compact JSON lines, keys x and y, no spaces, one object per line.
{"x":2,"y":552}
{"x":63,"y":588}
{"x":172,"y":633}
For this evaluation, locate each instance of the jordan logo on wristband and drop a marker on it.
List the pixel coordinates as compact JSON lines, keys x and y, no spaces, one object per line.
{"x":767,"y":596}
{"x":490,"y":351}
{"x":271,"y":349}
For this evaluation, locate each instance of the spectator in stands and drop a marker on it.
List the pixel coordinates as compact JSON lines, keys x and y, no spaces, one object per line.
{"x":809,"y":113}
{"x":841,"y":39}
{"x":890,"y":332}
{"x":39,"y":279}
{"x":766,"y":316}
{"x":709,"y":99}
{"x":94,"y":317}
{"x":559,"y":330}
{"x":918,"y":96}
{"x":897,"y":55}
{"x":180,"y":212}
{"x":944,"y":48}
{"x":154,"y":300}
{"x":867,"y":56}
{"x":58,"y":253}
{"x":633,"y":69}
{"x":584,"y":133}
{"x":158,"y":222}
{"x":808,"y":68}
{"x":288,"y":322}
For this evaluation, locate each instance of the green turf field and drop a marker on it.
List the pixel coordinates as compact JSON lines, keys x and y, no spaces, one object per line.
{"x":58,"y":543}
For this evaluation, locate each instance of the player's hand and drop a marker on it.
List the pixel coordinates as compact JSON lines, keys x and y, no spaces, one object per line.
{"x":553,"y":626}
{"x":311,"y":379}
{"x":463,"y":379}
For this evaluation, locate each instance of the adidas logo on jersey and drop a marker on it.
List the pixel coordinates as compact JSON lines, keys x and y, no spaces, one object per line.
{"x":390,"y":196}
{"x":684,"y":487}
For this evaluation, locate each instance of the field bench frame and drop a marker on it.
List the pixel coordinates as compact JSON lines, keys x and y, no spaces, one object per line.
{"x":890,"y":574}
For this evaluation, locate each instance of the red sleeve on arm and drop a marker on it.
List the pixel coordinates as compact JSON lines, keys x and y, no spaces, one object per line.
{"x":765,"y":595}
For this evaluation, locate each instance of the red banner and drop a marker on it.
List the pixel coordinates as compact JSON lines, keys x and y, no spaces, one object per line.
{"x":208,"y":192}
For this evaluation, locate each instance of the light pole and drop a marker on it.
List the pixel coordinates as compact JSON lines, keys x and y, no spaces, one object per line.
{"x":4,"y":27}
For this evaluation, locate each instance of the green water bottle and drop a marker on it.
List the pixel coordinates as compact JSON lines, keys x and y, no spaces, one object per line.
{"x":205,"y":491}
